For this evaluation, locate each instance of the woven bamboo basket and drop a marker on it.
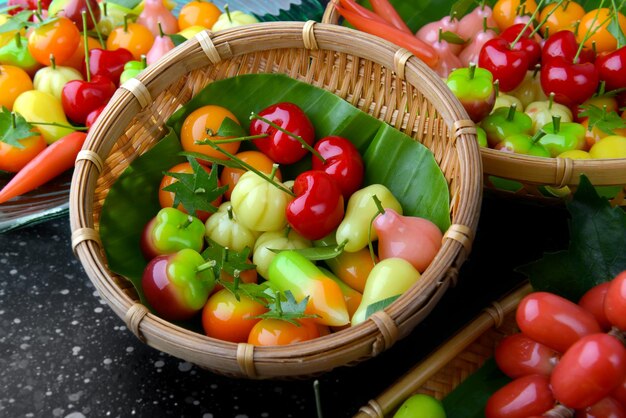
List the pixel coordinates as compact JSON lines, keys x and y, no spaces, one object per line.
{"x":454,"y":361}
{"x":534,"y":172}
{"x":366,"y":71}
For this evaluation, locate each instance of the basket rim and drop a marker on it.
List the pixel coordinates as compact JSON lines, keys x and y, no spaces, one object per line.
{"x":229,"y":43}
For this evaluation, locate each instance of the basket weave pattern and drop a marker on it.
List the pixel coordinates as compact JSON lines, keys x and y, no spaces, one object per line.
{"x":534,"y":172}
{"x":369,"y":73}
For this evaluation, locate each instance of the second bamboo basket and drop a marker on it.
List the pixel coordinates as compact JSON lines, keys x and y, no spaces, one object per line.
{"x":531,"y":174}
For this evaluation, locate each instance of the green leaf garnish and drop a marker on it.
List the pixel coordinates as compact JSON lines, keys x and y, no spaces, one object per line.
{"x":614,"y":27}
{"x":14,"y":128}
{"x":196,"y":191}
{"x":243,"y":165}
{"x":230,"y":128}
{"x":234,"y":263}
{"x":254,"y":291}
{"x":461,"y":7}
{"x":596,"y":250}
{"x":452,"y":38}
{"x":177,"y":39}
{"x":380,"y":305}
{"x":22,"y":20}
{"x":316,"y":253}
{"x":208,"y":158}
{"x":17,"y":22}
{"x":607,"y":122}
{"x":468,"y":400}
{"x":227,"y":260}
{"x":283,"y":306}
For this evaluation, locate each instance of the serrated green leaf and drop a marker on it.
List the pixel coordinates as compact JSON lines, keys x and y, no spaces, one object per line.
{"x":14,"y":128}
{"x":592,"y":112}
{"x":196,"y":191}
{"x":596,"y":251}
{"x":290,"y":305}
{"x":283,"y":306}
{"x":380,"y":305}
{"x":610,"y":123}
{"x":254,"y":291}
{"x":227,"y":260}
{"x":605,"y":121}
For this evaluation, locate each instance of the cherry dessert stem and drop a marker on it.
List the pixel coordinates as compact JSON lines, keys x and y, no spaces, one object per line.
{"x":230,"y":140}
{"x":545,"y":19}
{"x":251,"y":168}
{"x":86,"y":45}
{"x":291,"y":134}
{"x":95,"y":24}
{"x":591,"y":30}
{"x":530,"y":21}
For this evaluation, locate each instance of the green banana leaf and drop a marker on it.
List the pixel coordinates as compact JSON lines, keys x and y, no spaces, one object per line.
{"x":405,"y":166}
{"x":131,"y":203}
{"x":468,"y":400}
{"x":415,"y":197}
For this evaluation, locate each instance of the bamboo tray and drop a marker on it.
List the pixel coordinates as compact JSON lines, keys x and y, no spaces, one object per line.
{"x":454,"y":361}
{"x":534,"y":172}
{"x":370,"y":73}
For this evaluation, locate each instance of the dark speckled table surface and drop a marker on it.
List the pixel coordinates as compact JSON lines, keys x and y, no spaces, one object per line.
{"x":64,"y":353}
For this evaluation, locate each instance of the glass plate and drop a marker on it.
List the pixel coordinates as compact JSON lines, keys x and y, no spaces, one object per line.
{"x":51,"y":201}
{"x":47,"y":202}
